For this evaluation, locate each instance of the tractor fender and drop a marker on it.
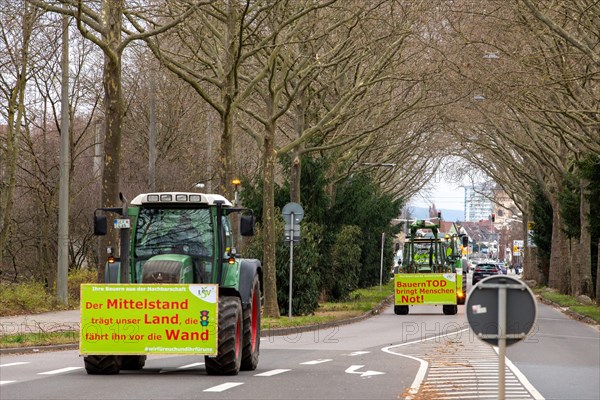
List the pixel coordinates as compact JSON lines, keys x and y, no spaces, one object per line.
{"x":249,"y":268}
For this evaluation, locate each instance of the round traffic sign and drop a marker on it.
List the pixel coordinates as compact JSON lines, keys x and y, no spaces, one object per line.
{"x":484,"y":309}
{"x":292,"y":209}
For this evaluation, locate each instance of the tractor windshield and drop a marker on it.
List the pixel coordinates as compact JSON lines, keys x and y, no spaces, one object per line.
{"x":174,"y":231}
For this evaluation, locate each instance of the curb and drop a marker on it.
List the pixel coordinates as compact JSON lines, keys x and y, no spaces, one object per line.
{"x":566,"y":310}
{"x":263,"y":334}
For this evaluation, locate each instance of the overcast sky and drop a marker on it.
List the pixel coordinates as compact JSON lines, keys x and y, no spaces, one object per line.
{"x":445,"y":196}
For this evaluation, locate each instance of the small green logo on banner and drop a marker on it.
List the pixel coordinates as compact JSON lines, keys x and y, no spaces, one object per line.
{"x":148,"y":319}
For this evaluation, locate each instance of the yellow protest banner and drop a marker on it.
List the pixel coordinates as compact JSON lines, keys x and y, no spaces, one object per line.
{"x":420,"y":289}
{"x":149,"y":319}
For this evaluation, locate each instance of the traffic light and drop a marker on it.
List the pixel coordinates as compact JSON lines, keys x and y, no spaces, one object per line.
{"x":204,"y":317}
{"x":493,"y":217}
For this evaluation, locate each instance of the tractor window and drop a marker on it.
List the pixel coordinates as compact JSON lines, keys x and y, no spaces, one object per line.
{"x":227,"y":232}
{"x":163,"y":231}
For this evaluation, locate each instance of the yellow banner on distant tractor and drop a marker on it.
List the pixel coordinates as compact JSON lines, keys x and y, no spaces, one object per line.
{"x":420,"y":289}
{"x":149,"y":319}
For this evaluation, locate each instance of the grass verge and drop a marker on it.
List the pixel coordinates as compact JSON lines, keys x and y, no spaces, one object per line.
{"x":588,"y":310}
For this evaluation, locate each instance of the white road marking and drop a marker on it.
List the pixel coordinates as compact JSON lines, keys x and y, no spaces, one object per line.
{"x":353,"y":370}
{"x":223,"y":387}
{"x":446,"y":372}
{"x":15,"y":363}
{"x":358,"y":353}
{"x":5,"y":382}
{"x":191,"y":365}
{"x":273,"y":372}
{"x":524,"y":381}
{"x":319,"y":361}
{"x":59,"y":371}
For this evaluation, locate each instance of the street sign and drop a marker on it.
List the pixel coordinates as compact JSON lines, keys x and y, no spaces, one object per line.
{"x":292,"y":214}
{"x":294,"y":209}
{"x":484,"y":308}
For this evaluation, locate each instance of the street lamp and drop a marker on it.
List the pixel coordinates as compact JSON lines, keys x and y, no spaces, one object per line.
{"x":236,"y":183}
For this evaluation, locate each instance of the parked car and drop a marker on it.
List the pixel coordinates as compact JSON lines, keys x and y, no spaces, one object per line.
{"x":485,"y":269}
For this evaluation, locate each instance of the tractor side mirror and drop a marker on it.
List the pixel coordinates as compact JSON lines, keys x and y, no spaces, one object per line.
{"x":465,"y":241}
{"x":247,"y":225}
{"x":100,"y":225}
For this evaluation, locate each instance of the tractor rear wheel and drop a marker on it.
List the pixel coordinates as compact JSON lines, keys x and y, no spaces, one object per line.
{"x":133,"y":363}
{"x":252,"y":329}
{"x":102,"y":365}
{"x":401,"y":310}
{"x":229,"y":357}
{"x":450,"y":309}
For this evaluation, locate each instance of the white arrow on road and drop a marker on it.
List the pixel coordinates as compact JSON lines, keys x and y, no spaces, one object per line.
{"x":353,"y":370}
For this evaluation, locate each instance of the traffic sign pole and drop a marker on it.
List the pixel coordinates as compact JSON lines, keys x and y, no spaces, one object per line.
{"x":501,"y":342}
{"x":291,"y":266}
{"x":501,"y":310}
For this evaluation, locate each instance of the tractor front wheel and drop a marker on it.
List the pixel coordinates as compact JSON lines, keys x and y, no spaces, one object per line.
{"x":252,"y":329}
{"x":229,"y":357}
{"x":133,"y":363}
{"x":401,"y":310}
{"x":450,"y":309}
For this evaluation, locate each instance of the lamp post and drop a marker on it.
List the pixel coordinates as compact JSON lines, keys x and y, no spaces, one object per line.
{"x":236,"y":183}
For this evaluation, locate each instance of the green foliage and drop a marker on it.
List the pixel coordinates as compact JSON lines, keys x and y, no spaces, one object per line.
{"x":360,"y":202}
{"x":341,"y":242}
{"x":24,"y":298}
{"x":343,"y":276}
{"x":542,"y":217}
{"x":569,"y":206}
{"x":76,"y":278}
{"x":32,"y":297}
{"x":306,"y":278}
{"x":313,"y":183}
{"x":590,"y":170}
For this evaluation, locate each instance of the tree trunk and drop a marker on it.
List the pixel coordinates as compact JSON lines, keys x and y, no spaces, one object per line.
{"x":559,"y":275}
{"x":113,"y":102}
{"x":296,"y":167}
{"x":574,"y":252}
{"x":586,"y":285}
{"x":269,"y":259}
{"x":598,"y":276}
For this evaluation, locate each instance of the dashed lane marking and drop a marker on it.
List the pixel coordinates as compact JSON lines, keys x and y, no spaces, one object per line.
{"x":59,"y":371}
{"x":273,"y":372}
{"x":5,"y":382}
{"x":191,"y":365}
{"x":319,"y":361}
{"x":223,"y":387}
{"x":13,"y":364}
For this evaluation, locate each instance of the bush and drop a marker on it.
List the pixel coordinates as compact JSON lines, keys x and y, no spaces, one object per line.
{"x":306,"y":277}
{"x":76,"y":278}
{"x":32,"y":298}
{"x":25,"y":298}
{"x":343,"y":276}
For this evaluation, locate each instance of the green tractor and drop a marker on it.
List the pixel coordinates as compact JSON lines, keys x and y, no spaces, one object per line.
{"x":188,"y":238}
{"x":431,"y":272}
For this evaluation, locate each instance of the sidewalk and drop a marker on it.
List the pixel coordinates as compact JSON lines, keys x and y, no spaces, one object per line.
{"x":45,"y":322}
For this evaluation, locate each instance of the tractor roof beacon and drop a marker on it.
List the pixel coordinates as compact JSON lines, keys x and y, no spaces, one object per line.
{"x":188,"y":238}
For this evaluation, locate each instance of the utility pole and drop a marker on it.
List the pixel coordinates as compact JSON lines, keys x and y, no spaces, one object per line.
{"x":62,"y":276}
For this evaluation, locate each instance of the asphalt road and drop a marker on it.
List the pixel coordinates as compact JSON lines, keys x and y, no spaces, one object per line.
{"x":425,"y":355}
